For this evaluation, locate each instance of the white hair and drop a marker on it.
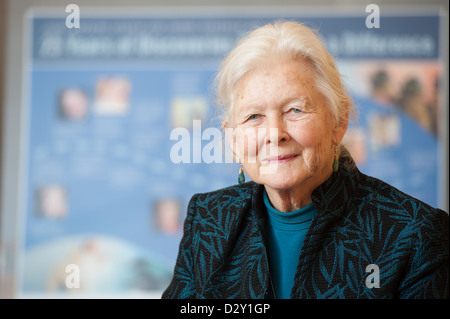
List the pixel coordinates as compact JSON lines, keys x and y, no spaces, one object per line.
{"x":282,"y":40}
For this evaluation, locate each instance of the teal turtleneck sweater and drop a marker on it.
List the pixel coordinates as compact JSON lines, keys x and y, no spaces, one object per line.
{"x":286,"y":234}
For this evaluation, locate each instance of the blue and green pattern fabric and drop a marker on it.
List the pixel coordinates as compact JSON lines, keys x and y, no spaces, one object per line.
{"x":361,"y":223}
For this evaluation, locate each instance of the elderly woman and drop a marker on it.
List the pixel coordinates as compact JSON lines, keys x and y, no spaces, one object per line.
{"x":309,"y":225}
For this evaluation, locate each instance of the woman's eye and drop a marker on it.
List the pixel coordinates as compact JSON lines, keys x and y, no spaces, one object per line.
{"x":253,"y":117}
{"x":296,"y":110}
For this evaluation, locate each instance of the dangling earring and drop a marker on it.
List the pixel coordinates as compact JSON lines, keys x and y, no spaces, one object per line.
{"x":336,"y":160}
{"x":241,"y":176}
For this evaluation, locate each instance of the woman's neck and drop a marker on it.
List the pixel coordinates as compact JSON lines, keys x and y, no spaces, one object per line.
{"x":288,"y":200}
{"x":294,"y":198}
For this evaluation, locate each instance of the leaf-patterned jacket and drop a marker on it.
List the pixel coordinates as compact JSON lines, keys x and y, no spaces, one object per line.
{"x":363,"y":225}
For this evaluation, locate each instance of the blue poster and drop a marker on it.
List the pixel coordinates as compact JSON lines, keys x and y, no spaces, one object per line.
{"x":105,"y":185}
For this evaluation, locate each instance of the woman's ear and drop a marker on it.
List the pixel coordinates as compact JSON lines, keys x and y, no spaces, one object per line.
{"x":340,"y":130}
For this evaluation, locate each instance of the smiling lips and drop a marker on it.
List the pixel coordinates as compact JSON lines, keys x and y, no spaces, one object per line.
{"x":280,"y":159}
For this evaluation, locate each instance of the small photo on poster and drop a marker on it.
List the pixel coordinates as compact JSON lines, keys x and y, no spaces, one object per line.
{"x":412,"y":87}
{"x":51,"y":201}
{"x":385,"y":130}
{"x":112,"y":96}
{"x":167,"y":215}
{"x":185,"y":109}
{"x":73,"y":104}
{"x":356,"y":143}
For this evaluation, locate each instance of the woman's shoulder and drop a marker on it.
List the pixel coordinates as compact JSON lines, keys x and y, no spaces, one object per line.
{"x":387,"y":197}
{"x":220,"y":209}
{"x":232,"y":192}
{"x":236,"y":195}
{"x":374,"y":193}
{"x":378,"y":208}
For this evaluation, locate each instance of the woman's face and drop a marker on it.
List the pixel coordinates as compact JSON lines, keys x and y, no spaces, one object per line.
{"x":284,"y":133}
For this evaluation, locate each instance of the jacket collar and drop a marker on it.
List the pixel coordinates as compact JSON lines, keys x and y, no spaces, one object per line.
{"x":333,"y":195}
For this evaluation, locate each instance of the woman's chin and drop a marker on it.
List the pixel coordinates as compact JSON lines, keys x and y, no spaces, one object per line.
{"x":280,"y":183}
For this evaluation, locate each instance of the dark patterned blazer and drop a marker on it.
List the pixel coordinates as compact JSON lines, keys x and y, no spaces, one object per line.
{"x":368,"y":240}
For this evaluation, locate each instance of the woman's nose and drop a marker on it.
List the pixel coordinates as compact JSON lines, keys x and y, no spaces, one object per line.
{"x":276,"y":131}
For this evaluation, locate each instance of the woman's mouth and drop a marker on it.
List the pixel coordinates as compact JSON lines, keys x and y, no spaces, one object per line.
{"x":280,"y":159}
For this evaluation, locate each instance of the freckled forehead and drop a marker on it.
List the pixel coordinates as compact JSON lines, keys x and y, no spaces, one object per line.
{"x":276,"y":79}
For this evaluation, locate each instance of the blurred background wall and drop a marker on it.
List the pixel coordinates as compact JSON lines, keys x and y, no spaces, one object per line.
{"x":94,"y":185}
